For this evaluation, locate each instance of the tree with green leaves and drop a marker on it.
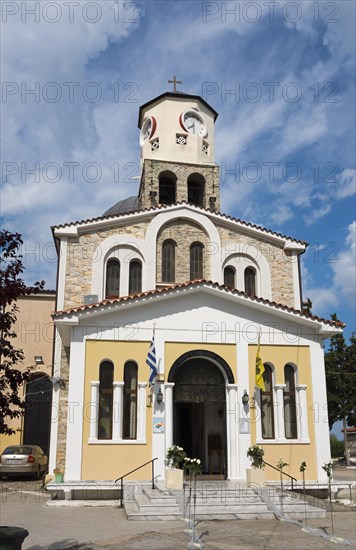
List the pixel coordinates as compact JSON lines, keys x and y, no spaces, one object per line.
{"x":340,"y":369}
{"x":12,"y":286}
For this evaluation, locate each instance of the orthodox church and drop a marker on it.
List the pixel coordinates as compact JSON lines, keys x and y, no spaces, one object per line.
{"x":212,"y":292}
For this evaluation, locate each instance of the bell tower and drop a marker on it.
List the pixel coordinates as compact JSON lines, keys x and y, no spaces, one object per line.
{"x":177,"y":151}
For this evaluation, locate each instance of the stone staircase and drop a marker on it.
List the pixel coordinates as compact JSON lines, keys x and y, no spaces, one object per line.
{"x":152,"y":504}
{"x":223,"y":500}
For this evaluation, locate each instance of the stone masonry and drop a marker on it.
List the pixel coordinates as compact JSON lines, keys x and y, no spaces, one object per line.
{"x":150,"y":182}
{"x":63,"y":410}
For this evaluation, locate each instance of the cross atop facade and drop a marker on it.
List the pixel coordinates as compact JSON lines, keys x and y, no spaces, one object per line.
{"x":174,"y":82}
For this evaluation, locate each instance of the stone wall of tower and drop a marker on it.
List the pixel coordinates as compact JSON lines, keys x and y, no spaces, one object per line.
{"x":150,"y":182}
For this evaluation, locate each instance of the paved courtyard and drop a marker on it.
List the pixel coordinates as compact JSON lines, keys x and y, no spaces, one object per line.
{"x":51,"y":528}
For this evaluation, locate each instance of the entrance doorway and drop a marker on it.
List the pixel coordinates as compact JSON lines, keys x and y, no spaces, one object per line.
{"x":199,"y":414}
{"x":38,"y":412}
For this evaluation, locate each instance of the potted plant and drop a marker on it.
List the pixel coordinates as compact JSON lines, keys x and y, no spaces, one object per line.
{"x":175,"y":457}
{"x":255,"y":474}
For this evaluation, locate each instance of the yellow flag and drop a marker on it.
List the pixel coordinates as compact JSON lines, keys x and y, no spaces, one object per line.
{"x":260,"y":383}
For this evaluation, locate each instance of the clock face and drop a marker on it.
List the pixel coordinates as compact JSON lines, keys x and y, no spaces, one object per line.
{"x":148,"y":129}
{"x":193,"y":123}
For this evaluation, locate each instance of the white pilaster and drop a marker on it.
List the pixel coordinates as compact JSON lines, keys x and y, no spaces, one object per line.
{"x":279,"y":416}
{"x":302,"y":413}
{"x":117,"y":410}
{"x":231,"y":430}
{"x":55,"y":403}
{"x":141,"y":428}
{"x":75,"y":408}
{"x":244,"y":439}
{"x":169,"y":414}
{"x":94,"y":409}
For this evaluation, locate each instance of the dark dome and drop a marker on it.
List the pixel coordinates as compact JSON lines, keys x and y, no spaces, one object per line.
{"x":122,"y":207}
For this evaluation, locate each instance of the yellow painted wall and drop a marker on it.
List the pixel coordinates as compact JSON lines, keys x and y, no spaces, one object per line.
{"x":34,"y":336}
{"x":110,"y":461}
{"x":173,"y":350}
{"x":293,"y":453}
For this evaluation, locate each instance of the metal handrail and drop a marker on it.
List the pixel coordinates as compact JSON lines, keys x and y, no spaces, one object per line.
{"x":280,"y":471}
{"x":132,"y":471}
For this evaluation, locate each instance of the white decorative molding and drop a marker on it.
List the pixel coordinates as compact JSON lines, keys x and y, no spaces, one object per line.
{"x":169,"y":413}
{"x":241,"y":256}
{"x":94,"y":409}
{"x":117,"y":410}
{"x":279,"y":414}
{"x":231,"y":430}
{"x":302,"y":412}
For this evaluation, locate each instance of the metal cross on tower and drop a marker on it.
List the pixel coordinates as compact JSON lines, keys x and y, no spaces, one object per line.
{"x":174,"y":82}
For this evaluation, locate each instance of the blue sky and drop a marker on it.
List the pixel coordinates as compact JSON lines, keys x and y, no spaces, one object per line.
{"x":282,"y":82}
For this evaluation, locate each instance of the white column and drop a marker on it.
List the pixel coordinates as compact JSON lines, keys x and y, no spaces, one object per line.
{"x":141,"y":428}
{"x":94,"y":409}
{"x":302,"y":414}
{"x":231,"y":430}
{"x":258,"y":414}
{"x":279,"y":408}
{"x":169,"y":413}
{"x":117,"y":410}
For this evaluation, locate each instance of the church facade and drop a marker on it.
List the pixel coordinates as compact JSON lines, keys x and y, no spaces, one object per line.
{"x":211,"y":289}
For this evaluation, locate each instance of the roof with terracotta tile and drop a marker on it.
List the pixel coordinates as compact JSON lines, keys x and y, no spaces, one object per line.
{"x":160,"y":208}
{"x":193,"y":285}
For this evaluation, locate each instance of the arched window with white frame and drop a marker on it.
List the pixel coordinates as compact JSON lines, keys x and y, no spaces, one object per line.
{"x":196,"y":261}
{"x":130,"y":401}
{"x":106,"y":377}
{"x":267,"y":410}
{"x":289,"y":403}
{"x":112,"y":287}
{"x":168,"y":261}
{"x":230,"y":276}
{"x":250,"y":281}
{"x":135,"y":277}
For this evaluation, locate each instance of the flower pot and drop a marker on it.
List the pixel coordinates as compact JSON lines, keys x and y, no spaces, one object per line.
{"x":174,"y":479}
{"x":58,"y":475}
{"x":255,"y":475}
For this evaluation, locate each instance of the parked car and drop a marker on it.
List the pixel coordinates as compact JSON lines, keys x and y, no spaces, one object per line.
{"x":23,"y":460}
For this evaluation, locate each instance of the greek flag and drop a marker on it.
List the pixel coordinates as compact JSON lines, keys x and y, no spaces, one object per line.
{"x":152,"y":362}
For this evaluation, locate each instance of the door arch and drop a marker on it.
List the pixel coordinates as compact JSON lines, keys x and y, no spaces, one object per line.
{"x":37,"y":419}
{"x":199,"y":408}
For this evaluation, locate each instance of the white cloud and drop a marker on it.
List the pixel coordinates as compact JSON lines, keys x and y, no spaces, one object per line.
{"x":342,"y":268}
{"x":345,"y":268}
{"x":347,"y":183}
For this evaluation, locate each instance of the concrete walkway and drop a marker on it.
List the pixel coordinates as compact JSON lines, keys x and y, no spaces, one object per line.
{"x":97,"y":528}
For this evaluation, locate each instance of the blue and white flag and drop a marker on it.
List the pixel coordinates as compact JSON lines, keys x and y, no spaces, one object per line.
{"x":152,"y":361}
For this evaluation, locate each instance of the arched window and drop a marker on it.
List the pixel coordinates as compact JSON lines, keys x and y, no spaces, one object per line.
{"x":290,"y":413}
{"x":112,"y":279}
{"x":135,"y":277}
{"x":250,"y":281}
{"x":267,"y":422}
{"x":167,"y":187}
{"x":130,"y":401}
{"x":229,"y":276}
{"x":168,"y":261}
{"x":196,"y":189}
{"x":196,"y":261}
{"x":106,"y":377}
